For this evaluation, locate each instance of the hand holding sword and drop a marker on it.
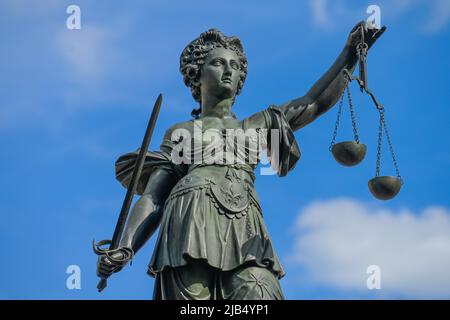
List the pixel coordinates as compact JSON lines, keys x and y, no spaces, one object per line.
{"x":114,"y":258}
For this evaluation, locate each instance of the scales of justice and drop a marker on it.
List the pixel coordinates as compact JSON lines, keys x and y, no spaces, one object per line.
{"x":209,"y":247}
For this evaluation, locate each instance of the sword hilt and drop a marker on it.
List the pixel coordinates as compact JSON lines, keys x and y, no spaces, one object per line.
{"x":102,"y":284}
{"x":127,"y":255}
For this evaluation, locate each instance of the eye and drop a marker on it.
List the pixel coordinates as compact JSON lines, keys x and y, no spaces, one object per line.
{"x":235,"y":66}
{"x":217,"y":62}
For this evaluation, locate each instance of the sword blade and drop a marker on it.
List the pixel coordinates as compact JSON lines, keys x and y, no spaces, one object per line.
{"x":121,"y":221}
{"x":135,"y":177}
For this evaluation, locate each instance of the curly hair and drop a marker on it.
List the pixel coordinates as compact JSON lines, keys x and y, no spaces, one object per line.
{"x":194,"y":55}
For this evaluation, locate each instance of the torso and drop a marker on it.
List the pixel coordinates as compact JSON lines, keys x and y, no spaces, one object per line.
{"x":233,"y":178}
{"x":214,"y":210}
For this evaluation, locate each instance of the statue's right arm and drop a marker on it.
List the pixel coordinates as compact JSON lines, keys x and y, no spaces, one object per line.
{"x":146,"y":214}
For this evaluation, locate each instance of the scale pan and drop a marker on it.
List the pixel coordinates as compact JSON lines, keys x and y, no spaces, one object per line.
{"x":349,"y":153}
{"x":385,"y":187}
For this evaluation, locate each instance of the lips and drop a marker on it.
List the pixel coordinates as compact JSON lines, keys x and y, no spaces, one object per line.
{"x":226,"y":80}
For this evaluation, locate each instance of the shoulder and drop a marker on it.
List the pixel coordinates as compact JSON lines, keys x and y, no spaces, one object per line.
{"x":178,"y":128}
{"x":175,"y":133}
{"x":261,"y":119}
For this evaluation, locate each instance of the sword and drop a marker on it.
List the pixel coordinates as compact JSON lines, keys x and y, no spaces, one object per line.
{"x":114,"y":243}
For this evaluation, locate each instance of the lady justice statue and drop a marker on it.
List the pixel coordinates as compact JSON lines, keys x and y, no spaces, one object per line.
{"x":212,"y":242}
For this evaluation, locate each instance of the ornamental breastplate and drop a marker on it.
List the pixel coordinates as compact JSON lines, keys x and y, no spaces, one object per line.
{"x":231,"y":192}
{"x":229,"y":188}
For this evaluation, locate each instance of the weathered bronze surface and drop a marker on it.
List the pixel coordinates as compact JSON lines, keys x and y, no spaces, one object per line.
{"x":349,"y":153}
{"x":385,"y":187}
{"x":212,"y":242}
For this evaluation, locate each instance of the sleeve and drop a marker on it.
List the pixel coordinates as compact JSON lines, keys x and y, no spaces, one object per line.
{"x":284,"y":152}
{"x":297,"y":116}
{"x":126,"y":163}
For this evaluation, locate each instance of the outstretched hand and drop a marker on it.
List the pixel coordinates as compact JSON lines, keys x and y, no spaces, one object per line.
{"x":370,"y":35}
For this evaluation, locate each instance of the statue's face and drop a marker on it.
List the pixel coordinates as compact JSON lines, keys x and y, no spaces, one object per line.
{"x":220,"y":74}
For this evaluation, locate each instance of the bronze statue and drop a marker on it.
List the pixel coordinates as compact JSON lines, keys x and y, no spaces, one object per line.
{"x":212,"y":242}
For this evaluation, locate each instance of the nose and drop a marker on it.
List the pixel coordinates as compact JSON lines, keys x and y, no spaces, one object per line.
{"x":227,"y":71}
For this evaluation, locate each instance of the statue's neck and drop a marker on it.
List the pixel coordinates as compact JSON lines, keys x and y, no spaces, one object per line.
{"x":214,"y":107}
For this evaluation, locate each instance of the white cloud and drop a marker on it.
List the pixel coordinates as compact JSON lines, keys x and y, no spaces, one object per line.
{"x":338,"y":239}
{"x":433,"y":16}
{"x":439,"y":16}
{"x":330,"y":15}
{"x":88,"y":52}
{"x":319,"y":12}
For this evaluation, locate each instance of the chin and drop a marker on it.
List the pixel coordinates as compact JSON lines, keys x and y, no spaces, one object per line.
{"x":225,"y":92}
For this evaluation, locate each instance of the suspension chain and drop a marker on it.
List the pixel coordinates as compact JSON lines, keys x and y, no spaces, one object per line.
{"x":383,"y":125}
{"x":352,"y":113}
{"x":380,"y":140}
{"x":394,"y":158}
{"x":338,"y":119}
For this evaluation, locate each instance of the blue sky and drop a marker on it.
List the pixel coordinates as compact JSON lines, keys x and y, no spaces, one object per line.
{"x":72,"y":101}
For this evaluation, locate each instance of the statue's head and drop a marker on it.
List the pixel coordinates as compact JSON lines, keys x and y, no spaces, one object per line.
{"x":214,"y":64}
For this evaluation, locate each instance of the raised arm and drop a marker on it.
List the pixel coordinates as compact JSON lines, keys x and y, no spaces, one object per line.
{"x":326,"y":91}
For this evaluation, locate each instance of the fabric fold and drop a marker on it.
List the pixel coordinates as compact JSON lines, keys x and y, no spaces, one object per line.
{"x":153,"y":159}
{"x":284,"y":156}
{"x":193,"y":229}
